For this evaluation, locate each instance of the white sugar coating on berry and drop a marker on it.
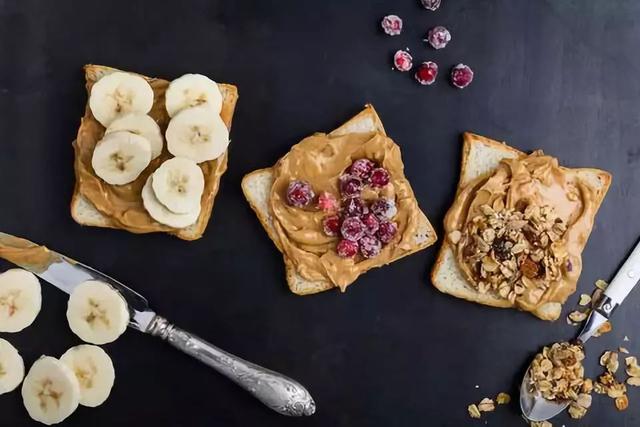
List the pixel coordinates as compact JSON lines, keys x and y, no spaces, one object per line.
{"x":354,"y":206}
{"x":461,"y":76}
{"x":386,"y":231}
{"x":438,"y":37}
{"x":379,"y":177}
{"x":371,"y":223}
{"x":392,"y":25}
{"x":352,"y":228}
{"x":327,"y":202}
{"x":403,"y":61}
{"x":299,"y":193}
{"x":331,"y":225}
{"x":347,"y":248}
{"x":370,"y":246}
{"x":427,"y":73}
{"x":384,"y":208}
{"x":362,"y":168}
{"x":430,"y":4}
{"x":350,"y":185}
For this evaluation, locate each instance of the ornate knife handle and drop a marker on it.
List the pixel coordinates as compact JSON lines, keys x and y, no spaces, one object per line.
{"x":278,"y":392}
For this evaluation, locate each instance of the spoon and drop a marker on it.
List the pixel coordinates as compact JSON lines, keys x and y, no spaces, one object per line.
{"x":537,"y":408}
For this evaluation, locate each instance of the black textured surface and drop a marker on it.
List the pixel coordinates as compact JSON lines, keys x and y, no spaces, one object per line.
{"x":558,"y":75}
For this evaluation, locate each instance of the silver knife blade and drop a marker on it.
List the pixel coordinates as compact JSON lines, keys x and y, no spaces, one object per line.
{"x":65,"y":274}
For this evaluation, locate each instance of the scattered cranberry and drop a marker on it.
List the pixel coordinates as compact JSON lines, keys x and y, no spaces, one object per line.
{"x":350,"y":185}
{"x":387,"y":231}
{"x":327,"y":202}
{"x":371,"y":224}
{"x":299,"y":193}
{"x":347,"y":248}
{"x":379,"y":177}
{"x":352,"y":228}
{"x":370,"y":246}
{"x":569,"y":266}
{"x":461,"y":76}
{"x":427,"y":73}
{"x":430,"y":4}
{"x":331,"y":225}
{"x":392,"y":25}
{"x":402,"y":60}
{"x":354,"y":206}
{"x":384,"y":209}
{"x":438,"y":37}
{"x":362,"y":168}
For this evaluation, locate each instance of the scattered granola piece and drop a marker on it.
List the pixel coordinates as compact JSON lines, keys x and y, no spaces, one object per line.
{"x":541,"y":424}
{"x":601,"y":284}
{"x":587,"y":386}
{"x":609,"y":359}
{"x":473,"y":410}
{"x":576,"y":411}
{"x":604,"y":329}
{"x":584,"y":400}
{"x":584,"y":300}
{"x":622,"y":402}
{"x":486,"y":405}
{"x":633,"y":370}
{"x":623,"y":350}
{"x":634,"y":381}
{"x":503,"y":398}
{"x":577,"y":316}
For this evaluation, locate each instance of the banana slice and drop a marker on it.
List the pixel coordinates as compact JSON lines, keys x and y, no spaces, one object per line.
{"x":178,"y":184}
{"x":50,"y":391}
{"x":140,"y":124}
{"x":94,"y":370}
{"x":119,"y":93}
{"x":20,"y":299}
{"x":192,"y":90}
{"x":120,"y":157}
{"x":11,"y":367}
{"x":160,"y":213}
{"x":197,"y":134}
{"x":97,"y":313}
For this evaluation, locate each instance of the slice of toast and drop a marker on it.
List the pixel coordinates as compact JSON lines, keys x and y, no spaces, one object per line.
{"x":481,"y":156}
{"x":84,"y":211}
{"x":257,"y":186}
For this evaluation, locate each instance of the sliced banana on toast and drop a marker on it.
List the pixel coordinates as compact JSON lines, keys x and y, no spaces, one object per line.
{"x":120,"y":157}
{"x":11,"y":367}
{"x":140,"y":124}
{"x":160,"y":213}
{"x":94,"y":370}
{"x":97,"y":313}
{"x":193,"y":90}
{"x":119,"y":93}
{"x":50,"y":391}
{"x":178,"y":184}
{"x":197,"y":134}
{"x":20,"y":299}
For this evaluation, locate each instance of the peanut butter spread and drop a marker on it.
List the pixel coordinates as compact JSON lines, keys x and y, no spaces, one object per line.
{"x":24,"y":253}
{"x":122,"y":204}
{"x":320,"y":160}
{"x":519,"y":233}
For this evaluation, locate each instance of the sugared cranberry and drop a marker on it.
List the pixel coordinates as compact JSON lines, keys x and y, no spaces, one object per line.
{"x":299,"y":193}
{"x":371,"y":224}
{"x":430,"y":4}
{"x":327,"y":202}
{"x":438,"y":37}
{"x":362,"y":168}
{"x":370,"y":246}
{"x":387,"y":231}
{"x":331,"y":225}
{"x":352,"y":228}
{"x":461,"y":76}
{"x":354,"y":206}
{"x":350,"y":185}
{"x":347,"y":248}
{"x":379,"y":177}
{"x":392,"y":25}
{"x":384,"y":209}
{"x":402,"y":60}
{"x":427,"y":73}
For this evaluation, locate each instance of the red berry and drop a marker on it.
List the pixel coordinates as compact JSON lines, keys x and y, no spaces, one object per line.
{"x":379,"y":177}
{"x":461,"y":76}
{"x":354,"y":206}
{"x":299,"y":193}
{"x":347,"y":248}
{"x":438,"y":37}
{"x":352,"y":228}
{"x":370,"y":246}
{"x":371,"y":224}
{"x":402,"y":60}
{"x":327,"y":202}
{"x":430,"y":4}
{"x":384,"y":209}
{"x":392,"y":25}
{"x":350,"y":185}
{"x":427,"y":73}
{"x":362,"y":168}
{"x":387,"y":231}
{"x":331,"y":225}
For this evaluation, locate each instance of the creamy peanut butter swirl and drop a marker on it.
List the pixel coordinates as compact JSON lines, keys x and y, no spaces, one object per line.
{"x":25,"y":254}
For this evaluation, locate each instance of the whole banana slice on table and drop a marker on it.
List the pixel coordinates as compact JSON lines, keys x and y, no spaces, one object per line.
{"x":192,"y":90}
{"x":120,"y":157}
{"x":117,"y":94}
{"x":20,"y":299}
{"x":94,"y":370}
{"x":11,"y":367}
{"x":197,"y":134}
{"x":140,"y":124}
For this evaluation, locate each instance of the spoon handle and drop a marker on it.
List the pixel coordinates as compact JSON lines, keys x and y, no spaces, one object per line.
{"x":624,"y":281}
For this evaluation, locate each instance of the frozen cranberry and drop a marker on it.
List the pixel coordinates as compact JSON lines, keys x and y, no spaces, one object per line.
{"x":371,"y":224}
{"x":331,"y":225}
{"x":438,"y":37}
{"x":392,"y":25}
{"x":384,"y":209}
{"x":347,"y":248}
{"x":379,"y":177}
{"x":387,"y":231}
{"x":402,"y":60}
{"x":352,"y":228}
{"x":430,"y":4}
{"x":350,"y":185}
{"x":327,"y":202}
{"x":427,"y":73}
{"x":354,"y":206}
{"x":461,"y":76}
{"x":299,"y":193}
{"x":370,"y":246}
{"x":362,"y":168}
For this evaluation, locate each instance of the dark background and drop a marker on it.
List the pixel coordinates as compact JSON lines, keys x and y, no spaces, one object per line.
{"x":558,"y":75}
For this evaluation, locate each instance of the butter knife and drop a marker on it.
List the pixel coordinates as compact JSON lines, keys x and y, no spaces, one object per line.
{"x":278,"y":392}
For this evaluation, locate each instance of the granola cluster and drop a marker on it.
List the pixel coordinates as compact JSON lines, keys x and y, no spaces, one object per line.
{"x":557,"y":372}
{"x":514,"y":253}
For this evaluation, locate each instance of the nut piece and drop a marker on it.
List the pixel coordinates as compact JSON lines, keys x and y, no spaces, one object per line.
{"x":584,"y":300}
{"x":605,"y":328}
{"x":576,"y":411}
{"x":622,"y":402}
{"x":455,"y":236}
{"x":577,"y":316}
{"x":503,"y":398}
{"x":541,"y":424}
{"x":634,"y":381}
{"x":486,"y":405}
{"x":473,"y":410}
{"x":633,"y":370}
{"x":601,"y":284}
